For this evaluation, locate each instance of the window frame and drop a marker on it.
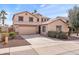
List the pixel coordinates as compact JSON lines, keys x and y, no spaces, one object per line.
{"x":30,"y":19}
{"x":41,"y":19}
{"x":37,"y":19}
{"x":45,"y":19}
{"x":58,"y":28}
{"x":20,"y":18}
{"x":43,"y":28}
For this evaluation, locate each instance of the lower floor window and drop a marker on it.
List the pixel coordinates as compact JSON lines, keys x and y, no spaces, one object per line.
{"x":43,"y":28}
{"x":59,"y":28}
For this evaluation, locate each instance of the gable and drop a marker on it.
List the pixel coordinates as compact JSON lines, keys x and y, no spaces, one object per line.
{"x":23,"y":14}
{"x":58,"y":22}
{"x":54,"y":21}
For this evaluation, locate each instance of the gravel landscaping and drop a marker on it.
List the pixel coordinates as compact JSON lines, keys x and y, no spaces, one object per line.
{"x":18,"y":41}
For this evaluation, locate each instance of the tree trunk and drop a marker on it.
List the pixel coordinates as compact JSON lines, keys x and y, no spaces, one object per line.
{"x":69,"y":32}
{"x":3,"y":21}
{"x":77,"y":32}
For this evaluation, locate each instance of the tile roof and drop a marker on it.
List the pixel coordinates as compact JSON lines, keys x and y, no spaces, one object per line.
{"x":55,"y":19}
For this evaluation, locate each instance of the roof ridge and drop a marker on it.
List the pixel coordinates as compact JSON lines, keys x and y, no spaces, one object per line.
{"x":52,"y":20}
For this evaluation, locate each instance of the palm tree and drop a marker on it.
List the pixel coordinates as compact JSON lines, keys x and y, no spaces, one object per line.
{"x":3,"y":13}
{"x":0,"y":17}
{"x":3,"y":17}
{"x":0,"y":14}
{"x":35,"y":11}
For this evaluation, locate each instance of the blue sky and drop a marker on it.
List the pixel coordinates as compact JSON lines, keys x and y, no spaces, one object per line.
{"x":50,"y":10}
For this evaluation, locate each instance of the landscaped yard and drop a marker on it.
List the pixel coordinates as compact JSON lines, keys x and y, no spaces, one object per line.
{"x":40,"y":45}
{"x":17,"y":41}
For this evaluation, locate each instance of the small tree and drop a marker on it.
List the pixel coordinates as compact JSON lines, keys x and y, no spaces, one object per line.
{"x":74,"y":18}
{"x":3,"y":17}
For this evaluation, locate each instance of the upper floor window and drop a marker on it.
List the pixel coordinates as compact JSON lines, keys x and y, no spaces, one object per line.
{"x":44,"y":28}
{"x":45,"y":19}
{"x":30,"y":19}
{"x":42,"y":19}
{"x":20,"y":18}
{"x":59,"y":28}
{"x":25,"y":13}
{"x":38,"y":20}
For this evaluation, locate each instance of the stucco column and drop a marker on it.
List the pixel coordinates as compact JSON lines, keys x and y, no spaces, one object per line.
{"x":6,"y":40}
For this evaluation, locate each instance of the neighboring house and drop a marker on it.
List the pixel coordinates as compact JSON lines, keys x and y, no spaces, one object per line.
{"x":33,"y":23}
{"x":10,"y":29}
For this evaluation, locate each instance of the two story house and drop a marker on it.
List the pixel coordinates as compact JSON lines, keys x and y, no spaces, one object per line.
{"x":28,"y":23}
{"x":35,"y":23}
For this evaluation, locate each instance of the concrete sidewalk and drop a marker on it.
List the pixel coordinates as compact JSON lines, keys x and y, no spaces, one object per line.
{"x":50,"y":49}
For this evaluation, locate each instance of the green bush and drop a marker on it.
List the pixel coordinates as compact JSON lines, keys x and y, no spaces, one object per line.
{"x":12,"y":35}
{"x":59,"y":35}
{"x":52,"y":34}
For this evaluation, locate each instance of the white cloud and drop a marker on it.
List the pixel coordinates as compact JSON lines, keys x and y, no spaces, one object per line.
{"x":54,"y":10}
{"x":46,"y":6}
{"x":43,"y":5}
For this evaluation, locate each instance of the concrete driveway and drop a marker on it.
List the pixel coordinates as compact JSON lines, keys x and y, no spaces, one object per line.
{"x":41,"y":45}
{"x":47,"y":46}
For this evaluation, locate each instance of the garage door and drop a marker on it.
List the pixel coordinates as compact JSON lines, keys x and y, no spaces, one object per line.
{"x":27,"y":30}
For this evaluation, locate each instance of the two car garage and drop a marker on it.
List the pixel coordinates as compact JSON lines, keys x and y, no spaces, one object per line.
{"x":27,"y":29}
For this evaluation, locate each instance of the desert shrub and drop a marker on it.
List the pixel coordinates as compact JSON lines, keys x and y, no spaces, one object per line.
{"x":59,"y":35}
{"x":12,"y":35}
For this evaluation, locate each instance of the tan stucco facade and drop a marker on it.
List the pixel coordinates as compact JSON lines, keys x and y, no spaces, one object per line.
{"x":52,"y":26}
{"x":26,"y":27}
{"x":25,"y":19}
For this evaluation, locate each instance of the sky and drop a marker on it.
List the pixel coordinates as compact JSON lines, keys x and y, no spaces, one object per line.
{"x":49,"y":10}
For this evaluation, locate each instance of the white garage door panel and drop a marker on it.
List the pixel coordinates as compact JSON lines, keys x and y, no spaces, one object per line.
{"x":27,"y":30}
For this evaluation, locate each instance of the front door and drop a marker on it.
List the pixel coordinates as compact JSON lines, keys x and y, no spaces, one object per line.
{"x":39,"y":29}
